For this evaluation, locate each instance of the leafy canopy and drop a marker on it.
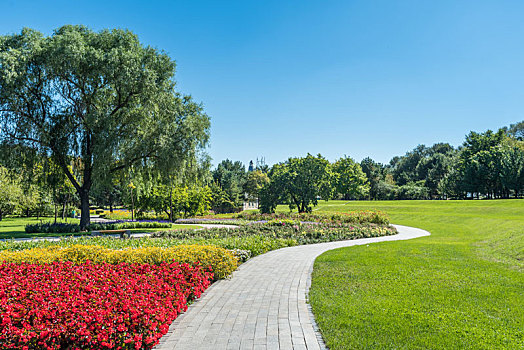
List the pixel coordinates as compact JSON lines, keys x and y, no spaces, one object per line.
{"x":102,"y":100}
{"x":299,"y":182}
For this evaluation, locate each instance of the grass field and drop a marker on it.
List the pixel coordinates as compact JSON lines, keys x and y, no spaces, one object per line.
{"x":460,"y":288}
{"x":15,"y":228}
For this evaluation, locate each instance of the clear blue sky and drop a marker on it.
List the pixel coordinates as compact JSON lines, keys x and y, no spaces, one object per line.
{"x":361,"y":78}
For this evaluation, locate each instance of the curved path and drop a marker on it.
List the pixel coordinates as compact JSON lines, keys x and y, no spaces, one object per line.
{"x":263,"y":306}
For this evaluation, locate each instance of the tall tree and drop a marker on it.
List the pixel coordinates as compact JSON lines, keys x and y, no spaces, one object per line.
{"x":231,"y":177}
{"x":255,"y":181}
{"x":350,"y":181}
{"x":516,"y":130}
{"x":299,"y":182}
{"x":379,"y":178}
{"x":102,"y":101}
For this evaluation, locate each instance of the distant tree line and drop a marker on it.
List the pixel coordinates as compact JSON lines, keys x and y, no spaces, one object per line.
{"x":486,"y":165}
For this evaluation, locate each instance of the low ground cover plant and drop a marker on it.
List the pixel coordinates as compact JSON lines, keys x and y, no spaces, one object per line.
{"x":98,"y":306}
{"x":351,"y":217}
{"x":301,"y":233}
{"x":210,"y":220}
{"x":250,"y":245}
{"x":219,"y":260}
{"x":113,"y":225}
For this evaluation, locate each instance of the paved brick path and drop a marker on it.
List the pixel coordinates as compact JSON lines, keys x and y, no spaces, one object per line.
{"x":263,"y":306}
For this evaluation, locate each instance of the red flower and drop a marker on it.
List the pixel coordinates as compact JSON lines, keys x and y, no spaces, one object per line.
{"x":126,"y":306}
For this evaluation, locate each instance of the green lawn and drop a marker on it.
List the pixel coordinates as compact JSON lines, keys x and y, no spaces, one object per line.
{"x":460,"y":288}
{"x":15,"y":228}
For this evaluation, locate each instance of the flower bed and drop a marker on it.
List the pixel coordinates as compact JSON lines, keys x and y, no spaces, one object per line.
{"x":219,"y":221}
{"x":286,"y":231}
{"x":221,"y":261}
{"x":352,"y":217}
{"x":93,"y":306}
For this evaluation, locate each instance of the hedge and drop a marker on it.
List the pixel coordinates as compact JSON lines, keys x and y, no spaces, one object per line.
{"x":72,"y":228}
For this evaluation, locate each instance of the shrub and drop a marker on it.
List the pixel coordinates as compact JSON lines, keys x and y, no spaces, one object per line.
{"x":52,"y":228}
{"x":97,"y":306}
{"x":73,"y":228}
{"x":221,"y":261}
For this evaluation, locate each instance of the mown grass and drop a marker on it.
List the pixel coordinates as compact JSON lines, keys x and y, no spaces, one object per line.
{"x":460,"y":288}
{"x":14,"y":227}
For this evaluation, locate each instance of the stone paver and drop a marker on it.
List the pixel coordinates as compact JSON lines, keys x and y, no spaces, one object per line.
{"x":264,"y":305}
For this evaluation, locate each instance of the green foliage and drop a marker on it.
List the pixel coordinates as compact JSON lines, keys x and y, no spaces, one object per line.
{"x":489,"y":164}
{"x":176,"y":201}
{"x":221,"y":202}
{"x":72,"y":228}
{"x":516,"y":130}
{"x":423,"y":165}
{"x":254,"y":244}
{"x":10,"y":192}
{"x":230,"y":177}
{"x":299,"y":182}
{"x":412,"y":190}
{"x":350,"y":217}
{"x":349,"y":180}
{"x":255,"y":181}
{"x":380,"y":182}
{"x":284,"y":231}
{"x":101,"y":101}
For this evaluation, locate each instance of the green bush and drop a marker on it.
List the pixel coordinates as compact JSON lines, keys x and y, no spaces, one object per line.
{"x":74,"y":228}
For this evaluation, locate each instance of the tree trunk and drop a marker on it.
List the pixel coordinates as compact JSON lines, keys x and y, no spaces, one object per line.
{"x":0,"y":215}
{"x":85,"y":218}
{"x":64,"y":210}
{"x":132,"y":206}
{"x":171,"y":203}
{"x":56,"y":212}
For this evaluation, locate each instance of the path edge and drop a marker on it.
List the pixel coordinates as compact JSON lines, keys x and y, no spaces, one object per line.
{"x":316,"y":328}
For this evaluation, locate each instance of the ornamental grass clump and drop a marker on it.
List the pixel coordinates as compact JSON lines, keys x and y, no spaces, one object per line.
{"x":63,"y":305}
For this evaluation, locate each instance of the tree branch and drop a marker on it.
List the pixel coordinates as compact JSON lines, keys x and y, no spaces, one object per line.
{"x":130,"y":162}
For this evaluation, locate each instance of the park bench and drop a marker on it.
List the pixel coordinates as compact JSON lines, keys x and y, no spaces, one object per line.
{"x":123,"y":233}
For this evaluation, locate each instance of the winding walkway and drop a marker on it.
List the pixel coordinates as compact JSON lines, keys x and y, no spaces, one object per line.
{"x":263,"y":306}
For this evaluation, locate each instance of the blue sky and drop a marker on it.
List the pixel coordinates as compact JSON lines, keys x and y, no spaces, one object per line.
{"x":357,"y":78}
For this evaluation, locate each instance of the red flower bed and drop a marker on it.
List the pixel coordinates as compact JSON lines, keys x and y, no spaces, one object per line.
{"x":93,"y":306}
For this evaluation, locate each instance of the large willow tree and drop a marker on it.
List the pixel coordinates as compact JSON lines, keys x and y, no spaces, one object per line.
{"x":97,"y":103}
